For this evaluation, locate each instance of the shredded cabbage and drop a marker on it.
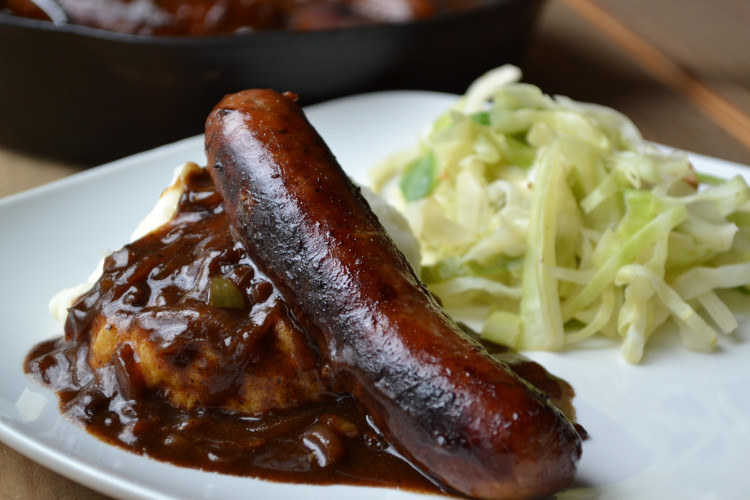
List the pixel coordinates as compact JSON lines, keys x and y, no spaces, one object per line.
{"x":545,"y":221}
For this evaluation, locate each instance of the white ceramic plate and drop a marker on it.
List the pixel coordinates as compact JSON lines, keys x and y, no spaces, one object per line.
{"x":677,"y":426}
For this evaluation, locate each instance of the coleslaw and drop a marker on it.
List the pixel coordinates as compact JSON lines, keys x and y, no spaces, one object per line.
{"x":544,"y":222}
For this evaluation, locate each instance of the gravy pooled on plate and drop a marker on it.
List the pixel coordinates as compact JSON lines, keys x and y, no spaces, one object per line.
{"x":184,"y":351}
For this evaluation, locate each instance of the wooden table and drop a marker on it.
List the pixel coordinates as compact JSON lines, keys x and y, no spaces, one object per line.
{"x":679,"y":68}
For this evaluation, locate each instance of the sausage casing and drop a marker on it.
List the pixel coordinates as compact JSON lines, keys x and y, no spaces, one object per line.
{"x":455,"y":412}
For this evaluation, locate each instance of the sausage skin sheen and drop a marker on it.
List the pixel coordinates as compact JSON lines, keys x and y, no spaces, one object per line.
{"x":456,"y":413}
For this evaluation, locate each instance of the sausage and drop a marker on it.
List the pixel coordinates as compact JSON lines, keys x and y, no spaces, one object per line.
{"x":441,"y":400}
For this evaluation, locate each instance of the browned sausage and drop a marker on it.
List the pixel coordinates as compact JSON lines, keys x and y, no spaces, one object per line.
{"x":445,"y":404}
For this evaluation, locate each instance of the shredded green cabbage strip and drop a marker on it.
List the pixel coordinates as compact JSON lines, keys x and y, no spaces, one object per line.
{"x":553,"y":221}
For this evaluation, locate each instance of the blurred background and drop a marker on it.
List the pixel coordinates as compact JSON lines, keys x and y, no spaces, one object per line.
{"x":678,"y":68}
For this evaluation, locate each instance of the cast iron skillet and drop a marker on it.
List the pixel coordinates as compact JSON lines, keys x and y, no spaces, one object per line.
{"x":84,"y":95}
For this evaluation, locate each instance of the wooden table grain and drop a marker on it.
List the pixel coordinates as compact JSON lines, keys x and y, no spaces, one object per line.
{"x":679,"y":69}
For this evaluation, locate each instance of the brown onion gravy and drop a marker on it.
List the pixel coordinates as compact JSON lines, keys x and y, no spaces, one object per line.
{"x":196,"y":18}
{"x":160,"y":288}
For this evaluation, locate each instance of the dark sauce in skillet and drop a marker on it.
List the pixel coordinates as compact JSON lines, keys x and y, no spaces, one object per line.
{"x":290,"y":425}
{"x":220,"y":17}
